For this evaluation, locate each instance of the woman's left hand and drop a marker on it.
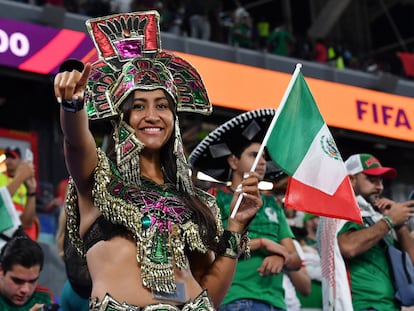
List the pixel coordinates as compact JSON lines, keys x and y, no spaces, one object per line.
{"x":249,"y":205}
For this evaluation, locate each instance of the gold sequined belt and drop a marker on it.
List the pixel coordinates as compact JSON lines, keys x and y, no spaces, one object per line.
{"x":202,"y":302}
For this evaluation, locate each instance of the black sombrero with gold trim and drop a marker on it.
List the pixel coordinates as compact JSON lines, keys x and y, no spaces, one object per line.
{"x":210,"y":155}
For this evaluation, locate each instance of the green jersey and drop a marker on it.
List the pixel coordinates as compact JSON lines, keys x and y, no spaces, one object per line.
{"x":41,"y":295}
{"x":371,"y":280}
{"x":270,"y":223}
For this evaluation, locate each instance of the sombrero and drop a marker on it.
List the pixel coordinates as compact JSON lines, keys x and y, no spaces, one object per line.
{"x":210,"y":155}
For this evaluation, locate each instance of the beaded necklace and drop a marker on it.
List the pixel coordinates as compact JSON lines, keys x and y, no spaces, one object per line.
{"x":162,"y":226}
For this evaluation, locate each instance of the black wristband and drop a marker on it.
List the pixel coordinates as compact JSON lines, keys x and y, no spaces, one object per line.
{"x":31,"y":194}
{"x":70,"y":65}
{"x":72,"y":105}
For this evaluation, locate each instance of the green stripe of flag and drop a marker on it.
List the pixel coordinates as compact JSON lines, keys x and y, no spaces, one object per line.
{"x":296,"y":127}
{"x":5,"y":220}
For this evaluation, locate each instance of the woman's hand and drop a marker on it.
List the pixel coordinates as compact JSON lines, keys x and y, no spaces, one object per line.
{"x":70,"y":85}
{"x":249,"y":204}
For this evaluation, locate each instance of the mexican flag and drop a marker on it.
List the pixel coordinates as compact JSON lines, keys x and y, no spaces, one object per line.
{"x":9,"y":219}
{"x":300,"y":143}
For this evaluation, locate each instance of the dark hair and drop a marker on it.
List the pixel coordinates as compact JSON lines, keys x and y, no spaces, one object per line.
{"x":203,"y":216}
{"x":299,"y":232}
{"x":21,"y":251}
{"x":243,"y":144}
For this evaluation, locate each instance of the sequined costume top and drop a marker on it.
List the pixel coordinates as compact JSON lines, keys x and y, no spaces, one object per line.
{"x":155,"y":216}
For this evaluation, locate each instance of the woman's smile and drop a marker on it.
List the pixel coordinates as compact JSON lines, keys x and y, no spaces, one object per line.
{"x":152,"y":118}
{"x":152,"y":130}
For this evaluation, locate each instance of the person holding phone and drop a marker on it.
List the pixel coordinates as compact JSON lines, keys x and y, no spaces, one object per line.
{"x":227,"y":154}
{"x":21,"y":261}
{"x":20,"y":181}
{"x":362,"y":245}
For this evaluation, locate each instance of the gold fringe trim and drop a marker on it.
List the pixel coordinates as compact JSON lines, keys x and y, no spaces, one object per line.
{"x":155,"y":275}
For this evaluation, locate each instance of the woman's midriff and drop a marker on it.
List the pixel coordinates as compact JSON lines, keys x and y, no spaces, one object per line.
{"x":114,"y":270}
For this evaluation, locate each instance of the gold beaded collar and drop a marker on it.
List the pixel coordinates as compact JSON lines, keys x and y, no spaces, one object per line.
{"x":156,"y":216}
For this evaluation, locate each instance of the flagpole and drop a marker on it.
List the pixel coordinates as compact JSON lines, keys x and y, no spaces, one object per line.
{"x":269,"y":131}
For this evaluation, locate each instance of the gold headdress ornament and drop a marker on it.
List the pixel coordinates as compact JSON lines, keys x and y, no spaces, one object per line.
{"x":129,"y":40}
{"x":130,"y":58}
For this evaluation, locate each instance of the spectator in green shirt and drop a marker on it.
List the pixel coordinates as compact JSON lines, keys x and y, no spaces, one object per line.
{"x":361,"y":245}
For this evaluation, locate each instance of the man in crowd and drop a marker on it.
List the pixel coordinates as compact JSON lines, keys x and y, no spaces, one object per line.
{"x":21,"y":261}
{"x":362,"y":246}
{"x":227,"y":154}
{"x":21,"y":184}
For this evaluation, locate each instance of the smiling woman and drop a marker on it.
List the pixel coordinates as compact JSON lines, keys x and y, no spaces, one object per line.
{"x":152,"y":241}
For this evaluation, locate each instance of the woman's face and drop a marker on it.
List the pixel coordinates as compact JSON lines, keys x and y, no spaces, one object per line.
{"x":152,"y":118}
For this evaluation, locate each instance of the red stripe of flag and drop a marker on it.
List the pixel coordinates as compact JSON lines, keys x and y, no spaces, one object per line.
{"x":54,"y":53}
{"x":407,"y":60}
{"x":308,"y":199}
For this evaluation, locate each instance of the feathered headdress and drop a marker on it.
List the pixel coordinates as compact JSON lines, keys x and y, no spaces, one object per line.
{"x":130,"y":58}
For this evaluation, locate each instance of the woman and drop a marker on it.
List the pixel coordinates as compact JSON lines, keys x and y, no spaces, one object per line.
{"x":152,"y":241}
